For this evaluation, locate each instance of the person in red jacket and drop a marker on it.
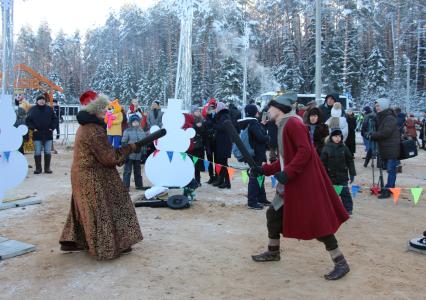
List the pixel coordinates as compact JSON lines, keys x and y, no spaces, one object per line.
{"x":306,"y":205}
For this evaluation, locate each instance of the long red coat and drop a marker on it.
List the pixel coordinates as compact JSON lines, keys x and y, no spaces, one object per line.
{"x":312,"y":209}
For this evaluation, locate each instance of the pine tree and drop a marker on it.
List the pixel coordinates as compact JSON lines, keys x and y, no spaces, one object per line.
{"x":230,"y":81}
{"x":375,"y":77}
{"x":126,"y":82}
{"x":104,"y":80}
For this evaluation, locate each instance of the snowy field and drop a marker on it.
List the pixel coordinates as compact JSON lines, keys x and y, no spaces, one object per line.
{"x":204,"y":252}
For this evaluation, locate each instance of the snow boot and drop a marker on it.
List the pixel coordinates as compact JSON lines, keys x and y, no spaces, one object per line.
{"x":385,"y":193}
{"x":341,"y":268}
{"x":37,"y":159}
{"x":219,"y":180}
{"x":273,"y":254}
{"x":256,"y":206}
{"x":225,"y":185}
{"x":47,"y":158}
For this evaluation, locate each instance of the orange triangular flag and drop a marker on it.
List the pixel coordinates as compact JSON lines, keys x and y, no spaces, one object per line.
{"x":231,"y":172}
{"x":395,"y":192}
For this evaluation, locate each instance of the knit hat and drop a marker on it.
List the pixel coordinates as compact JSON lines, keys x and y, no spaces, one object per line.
{"x":336,"y":111}
{"x":335,"y":97}
{"x":157,"y":101}
{"x":87,"y":97}
{"x":40,"y":97}
{"x":384,"y":103}
{"x":336,"y":131}
{"x":134,"y":118}
{"x":250,"y":110}
{"x":367,"y":110}
{"x":220,"y":106}
{"x":284,"y":102}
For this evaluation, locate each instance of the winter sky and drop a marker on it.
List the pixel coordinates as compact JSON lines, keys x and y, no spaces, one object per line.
{"x":69,"y":15}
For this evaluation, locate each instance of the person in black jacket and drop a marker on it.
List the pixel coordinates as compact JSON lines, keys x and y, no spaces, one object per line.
{"x":42,"y":120}
{"x":388,"y":138}
{"x":328,"y":105}
{"x":339,"y":161}
{"x":223,"y":145}
{"x":209,"y":138}
{"x":272,"y":130}
{"x":423,"y":130}
{"x":235,"y":114}
{"x":197,"y":143}
{"x":318,"y":131}
{"x":258,"y":139}
{"x":367,"y":126}
{"x":57,"y":110}
{"x":351,"y":140}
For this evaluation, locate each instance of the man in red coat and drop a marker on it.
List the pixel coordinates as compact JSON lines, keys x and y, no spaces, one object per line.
{"x":306,"y":205}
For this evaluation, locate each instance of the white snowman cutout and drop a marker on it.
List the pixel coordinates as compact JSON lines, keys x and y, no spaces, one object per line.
{"x":169,"y":167}
{"x":13,"y":165}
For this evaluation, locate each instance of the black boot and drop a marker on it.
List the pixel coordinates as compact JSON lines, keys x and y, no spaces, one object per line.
{"x":211,"y":180}
{"x":219,"y":180}
{"x":366,"y":162}
{"x":341,"y":268}
{"x":385,"y":193}
{"x":226,"y":181}
{"x":273,"y":254}
{"x":47,"y":158}
{"x":37,"y":159}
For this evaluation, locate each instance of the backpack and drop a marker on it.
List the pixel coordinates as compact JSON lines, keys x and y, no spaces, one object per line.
{"x":408,"y":149}
{"x":244,"y":136}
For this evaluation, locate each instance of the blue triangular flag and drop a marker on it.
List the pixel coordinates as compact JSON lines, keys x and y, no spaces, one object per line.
{"x":355,"y":190}
{"x":7,"y":155}
{"x":274,"y":181}
{"x":170,"y":155}
{"x":206,"y":165}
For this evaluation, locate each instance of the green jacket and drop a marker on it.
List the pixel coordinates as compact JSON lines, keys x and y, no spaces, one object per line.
{"x":339,"y":162}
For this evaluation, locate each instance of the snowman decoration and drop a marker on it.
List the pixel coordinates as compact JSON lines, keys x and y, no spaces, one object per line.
{"x":13,"y":165}
{"x":169,"y":166}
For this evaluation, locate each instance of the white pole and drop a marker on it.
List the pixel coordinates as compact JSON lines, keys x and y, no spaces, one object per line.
{"x":7,"y":68}
{"x":318,"y":51}
{"x":245,"y":66}
{"x":408,"y":85}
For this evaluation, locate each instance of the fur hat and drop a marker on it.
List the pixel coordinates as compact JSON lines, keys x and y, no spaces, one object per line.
{"x":336,"y":111}
{"x":87,"y":97}
{"x":96,"y":105}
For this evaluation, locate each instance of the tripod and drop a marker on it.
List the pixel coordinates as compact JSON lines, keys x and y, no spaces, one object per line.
{"x":376,"y":188}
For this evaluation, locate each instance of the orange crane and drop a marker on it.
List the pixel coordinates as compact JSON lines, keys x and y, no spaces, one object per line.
{"x":34,"y":80}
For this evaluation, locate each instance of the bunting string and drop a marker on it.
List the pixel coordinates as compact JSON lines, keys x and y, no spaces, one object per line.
{"x":416,"y":192}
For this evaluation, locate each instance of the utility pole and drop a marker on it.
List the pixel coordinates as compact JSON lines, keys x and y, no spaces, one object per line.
{"x":246,"y":46}
{"x":318,"y":51}
{"x":7,"y":30}
{"x":408,"y":107}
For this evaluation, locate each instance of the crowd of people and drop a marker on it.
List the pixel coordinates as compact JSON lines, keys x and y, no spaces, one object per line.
{"x":318,"y":140}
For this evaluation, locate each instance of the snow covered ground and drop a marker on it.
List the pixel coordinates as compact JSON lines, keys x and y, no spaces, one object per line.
{"x":204,"y":252}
